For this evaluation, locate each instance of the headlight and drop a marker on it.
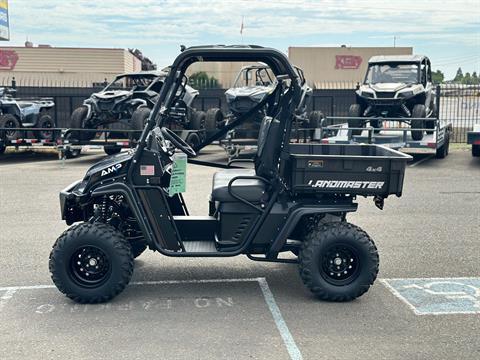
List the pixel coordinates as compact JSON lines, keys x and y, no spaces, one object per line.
{"x":405,"y":94}
{"x":367,"y":94}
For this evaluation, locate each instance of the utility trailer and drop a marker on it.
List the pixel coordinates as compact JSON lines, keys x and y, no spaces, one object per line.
{"x":473,"y":138}
{"x":395,"y":135}
{"x":69,"y":147}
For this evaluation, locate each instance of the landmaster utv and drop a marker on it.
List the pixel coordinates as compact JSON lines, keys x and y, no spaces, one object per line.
{"x":295,"y":199}
{"x":396,"y":86}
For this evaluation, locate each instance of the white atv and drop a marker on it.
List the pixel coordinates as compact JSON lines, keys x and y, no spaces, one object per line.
{"x":24,"y":113}
{"x":396,"y":86}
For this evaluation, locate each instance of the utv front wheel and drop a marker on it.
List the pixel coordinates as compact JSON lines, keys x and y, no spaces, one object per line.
{"x":338,"y":261}
{"x":139,"y":120}
{"x":355,"y":111}
{"x":418,"y":114}
{"x":91,"y":263}
{"x":77,"y":121}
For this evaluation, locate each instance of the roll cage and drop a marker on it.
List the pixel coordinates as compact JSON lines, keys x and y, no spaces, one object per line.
{"x":279,"y":64}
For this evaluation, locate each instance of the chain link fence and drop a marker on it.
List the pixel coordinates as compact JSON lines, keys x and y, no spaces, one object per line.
{"x":459,"y":103}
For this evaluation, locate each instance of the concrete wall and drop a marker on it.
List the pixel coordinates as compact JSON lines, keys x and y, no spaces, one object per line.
{"x":54,"y":66}
{"x":324,"y":65}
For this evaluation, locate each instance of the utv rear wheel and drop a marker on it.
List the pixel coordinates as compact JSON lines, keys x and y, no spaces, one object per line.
{"x":355,"y":111}
{"x":418,"y":112}
{"x":197,"y":120}
{"x":338,"y":261}
{"x":45,"y":122}
{"x":214,"y":117}
{"x":91,"y":263}
{"x":9,"y":121}
{"x":139,"y":120}
{"x":315,"y":119}
{"x":2,"y":149}
{"x":77,"y":121}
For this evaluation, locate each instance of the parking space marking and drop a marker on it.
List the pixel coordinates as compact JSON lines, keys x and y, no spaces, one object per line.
{"x":6,"y":297}
{"x":292,"y":348}
{"x":287,"y":337}
{"x":437,"y":296}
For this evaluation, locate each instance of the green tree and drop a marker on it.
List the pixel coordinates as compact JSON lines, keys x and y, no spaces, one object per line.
{"x":201,"y":80}
{"x":475,"y":78}
{"x":467,"y":79}
{"x":459,"y":76}
{"x":437,"y":77}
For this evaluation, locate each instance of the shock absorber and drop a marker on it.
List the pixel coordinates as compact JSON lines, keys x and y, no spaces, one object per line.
{"x":103,"y":209}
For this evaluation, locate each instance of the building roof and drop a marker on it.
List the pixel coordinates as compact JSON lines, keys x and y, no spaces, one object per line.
{"x":396,"y":58}
{"x":145,"y":73}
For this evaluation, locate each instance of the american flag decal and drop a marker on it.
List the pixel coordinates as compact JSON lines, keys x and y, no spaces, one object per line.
{"x":147,"y":170}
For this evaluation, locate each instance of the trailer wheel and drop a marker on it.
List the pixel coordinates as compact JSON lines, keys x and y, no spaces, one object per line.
{"x":72,"y":153}
{"x":112,"y":150}
{"x":91,"y":263}
{"x":214,"y":117}
{"x":139,"y":120}
{"x":77,"y":121}
{"x":45,"y":122}
{"x":355,"y":111}
{"x":338,"y":261}
{"x":197,"y":120}
{"x":418,"y":112}
{"x":476,"y":150}
{"x":442,"y":151}
{"x":9,"y":121}
{"x":376,"y":124}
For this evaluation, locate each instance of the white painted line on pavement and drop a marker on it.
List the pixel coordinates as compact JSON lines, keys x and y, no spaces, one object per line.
{"x":280,"y":323}
{"x":282,"y":327}
{"x":7,"y":296}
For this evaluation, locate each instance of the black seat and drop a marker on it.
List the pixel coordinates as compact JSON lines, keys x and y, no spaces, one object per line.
{"x":252,"y":190}
{"x":266,"y":162}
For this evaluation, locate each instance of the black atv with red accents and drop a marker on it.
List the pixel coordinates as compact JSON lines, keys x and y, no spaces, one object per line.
{"x":291,"y":207}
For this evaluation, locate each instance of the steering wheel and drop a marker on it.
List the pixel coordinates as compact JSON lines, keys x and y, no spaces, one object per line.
{"x":178,"y":142}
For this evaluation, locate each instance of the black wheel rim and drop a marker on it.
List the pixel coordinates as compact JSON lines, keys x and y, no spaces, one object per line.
{"x":10,"y":124}
{"x":340,"y":264}
{"x":89,"y":266}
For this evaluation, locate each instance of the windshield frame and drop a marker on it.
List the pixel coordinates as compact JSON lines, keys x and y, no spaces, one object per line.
{"x":392,"y":65}
{"x":134,"y":78}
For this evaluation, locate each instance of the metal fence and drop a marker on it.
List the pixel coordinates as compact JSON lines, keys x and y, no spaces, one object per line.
{"x":459,"y":103}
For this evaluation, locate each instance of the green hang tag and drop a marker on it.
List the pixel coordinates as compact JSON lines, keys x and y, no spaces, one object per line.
{"x":178,"y":180}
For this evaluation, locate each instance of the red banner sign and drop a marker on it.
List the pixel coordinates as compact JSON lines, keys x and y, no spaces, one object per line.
{"x":347,"y":61}
{"x":8,"y":59}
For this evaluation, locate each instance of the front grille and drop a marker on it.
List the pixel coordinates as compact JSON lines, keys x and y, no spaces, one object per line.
{"x":385,"y":95}
{"x":104,"y":105}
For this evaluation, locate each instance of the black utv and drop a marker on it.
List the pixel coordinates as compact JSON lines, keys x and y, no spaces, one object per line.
{"x":396,"y":86}
{"x":125,"y":104}
{"x":294,"y":201}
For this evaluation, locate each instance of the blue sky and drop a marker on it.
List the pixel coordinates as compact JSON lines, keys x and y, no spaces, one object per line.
{"x":447,"y":31}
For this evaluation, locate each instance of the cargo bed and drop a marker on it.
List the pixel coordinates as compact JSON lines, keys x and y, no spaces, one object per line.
{"x":355,"y":169}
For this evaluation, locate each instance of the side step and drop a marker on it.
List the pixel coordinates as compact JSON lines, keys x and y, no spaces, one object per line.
{"x":200,"y":246}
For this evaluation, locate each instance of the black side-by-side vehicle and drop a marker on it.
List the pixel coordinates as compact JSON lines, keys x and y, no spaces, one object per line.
{"x":295,"y":199}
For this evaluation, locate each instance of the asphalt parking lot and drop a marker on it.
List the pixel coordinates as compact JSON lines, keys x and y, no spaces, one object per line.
{"x":236,"y":308}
